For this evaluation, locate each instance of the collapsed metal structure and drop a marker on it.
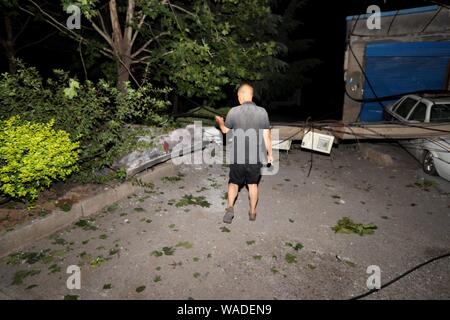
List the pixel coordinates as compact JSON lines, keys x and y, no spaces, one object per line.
{"x":409,"y":53}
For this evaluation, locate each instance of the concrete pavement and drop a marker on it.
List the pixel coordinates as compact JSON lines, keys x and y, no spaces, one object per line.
{"x":168,"y":241}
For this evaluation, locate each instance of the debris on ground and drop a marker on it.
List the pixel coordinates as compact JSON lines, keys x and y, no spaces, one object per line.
{"x":347,"y":226}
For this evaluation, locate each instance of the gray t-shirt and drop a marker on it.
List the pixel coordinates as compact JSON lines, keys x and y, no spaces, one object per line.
{"x":247,"y":122}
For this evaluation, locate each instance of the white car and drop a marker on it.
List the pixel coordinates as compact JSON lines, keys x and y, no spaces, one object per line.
{"x":433,"y":153}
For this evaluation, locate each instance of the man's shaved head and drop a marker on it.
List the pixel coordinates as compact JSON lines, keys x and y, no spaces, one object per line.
{"x":245,"y":93}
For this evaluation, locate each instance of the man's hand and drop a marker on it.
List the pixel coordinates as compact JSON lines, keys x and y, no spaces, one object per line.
{"x":221,"y":124}
{"x":267,"y":135}
{"x":219,"y":121}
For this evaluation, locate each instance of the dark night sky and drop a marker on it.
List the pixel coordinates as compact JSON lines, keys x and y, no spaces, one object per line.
{"x":323,"y":21}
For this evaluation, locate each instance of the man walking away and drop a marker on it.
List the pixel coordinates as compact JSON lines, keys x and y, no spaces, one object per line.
{"x":246,"y":123}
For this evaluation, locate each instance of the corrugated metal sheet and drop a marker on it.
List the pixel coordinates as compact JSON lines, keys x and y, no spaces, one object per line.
{"x":401,"y":67}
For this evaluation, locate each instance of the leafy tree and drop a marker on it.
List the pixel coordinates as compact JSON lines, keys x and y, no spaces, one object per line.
{"x":196,"y":46}
{"x":220,"y":42}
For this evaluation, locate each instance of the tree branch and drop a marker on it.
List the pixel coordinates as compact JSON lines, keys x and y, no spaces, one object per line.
{"x":141,"y":49}
{"x":103,"y":34}
{"x":36,"y":42}
{"x":174,"y":15}
{"x":117,"y":35}
{"x":22,"y":29}
{"x":141,"y":22}
{"x":129,"y":71}
{"x":59,"y":26}
{"x":181,"y":9}
{"x":107,"y":52}
{"x":128,"y":28}
{"x":102,"y":22}
{"x":141,"y":60}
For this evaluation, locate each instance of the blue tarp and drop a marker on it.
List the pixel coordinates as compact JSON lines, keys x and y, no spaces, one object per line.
{"x":399,"y":67}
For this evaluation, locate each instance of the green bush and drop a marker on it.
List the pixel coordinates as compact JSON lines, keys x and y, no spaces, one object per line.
{"x":143,"y":105}
{"x":32,"y":155}
{"x":92,"y":113}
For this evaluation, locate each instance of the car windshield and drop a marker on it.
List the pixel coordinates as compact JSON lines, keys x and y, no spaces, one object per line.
{"x":419,"y":113}
{"x":405,"y":107}
{"x":440,"y":113}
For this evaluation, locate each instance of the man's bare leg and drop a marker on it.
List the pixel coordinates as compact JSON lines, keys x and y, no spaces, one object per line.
{"x":253,"y":197}
{"x":233,"y":190}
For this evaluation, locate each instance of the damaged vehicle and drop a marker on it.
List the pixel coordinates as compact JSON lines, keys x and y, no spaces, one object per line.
{"x":433,"y":153}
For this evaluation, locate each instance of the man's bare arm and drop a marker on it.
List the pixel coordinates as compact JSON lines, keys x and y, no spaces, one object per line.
{"x":267,"y":134}
{"x":221,"y":124}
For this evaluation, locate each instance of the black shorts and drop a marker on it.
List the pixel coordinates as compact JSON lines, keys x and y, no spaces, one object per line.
{"x":241,"y":174}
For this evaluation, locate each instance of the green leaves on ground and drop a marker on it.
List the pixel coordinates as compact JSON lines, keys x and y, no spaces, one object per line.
{"x":54,"y":268}
{"x":148,"y":186}
{"x":112,"y":207}
{"x":168,"y":251}
{"x":347,"y":226}
{"x":113,"y":251}
{"x":173,"y":179}
{"x":85,"y":224}
{"x":98,"y":261}
{"x":59,"y":241}
{"x":157,"y":253}
{"x":426,"y":184}
{"x":189,"y":199}
{"x":290,"y":258}
{"x":20,"y":275}
{"x":44,"y":256}
{"x":140,"y":289}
